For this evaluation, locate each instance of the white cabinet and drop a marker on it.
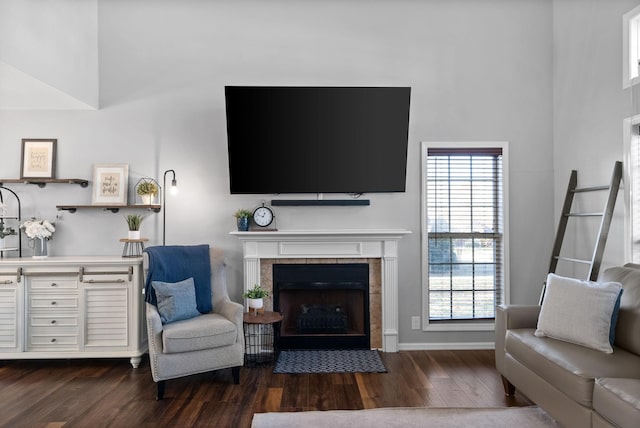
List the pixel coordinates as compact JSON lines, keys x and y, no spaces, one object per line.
{"x":66,"y":307}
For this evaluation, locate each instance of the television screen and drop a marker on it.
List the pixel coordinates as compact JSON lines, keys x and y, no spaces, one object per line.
{"x":317,"y":139}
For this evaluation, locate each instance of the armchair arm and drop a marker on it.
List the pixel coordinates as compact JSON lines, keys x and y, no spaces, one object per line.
{"x":233,"y":312}
{"x":511,"y":317}
{"x":154,"y":336}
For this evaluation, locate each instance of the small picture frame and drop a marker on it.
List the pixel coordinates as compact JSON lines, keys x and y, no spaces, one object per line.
{"x":110,"y":184}
{"x":38,"y":158}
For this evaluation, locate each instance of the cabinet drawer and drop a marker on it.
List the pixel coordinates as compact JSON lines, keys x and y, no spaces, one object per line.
{"x":53,"y":331}
{"x":53,"y":340}
{"x":53,"y":283}
{"x":52,"y":320}
{"x":53,"y":302}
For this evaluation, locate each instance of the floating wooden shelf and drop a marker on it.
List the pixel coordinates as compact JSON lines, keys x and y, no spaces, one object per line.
{"x":42,"y":182}
{"x":113,"y":208}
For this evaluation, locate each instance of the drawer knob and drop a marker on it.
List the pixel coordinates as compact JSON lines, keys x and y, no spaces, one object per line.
{"x":53,"y":303}
{"x":53,"y":340}
{"x":53,"y":321}
{"x":53,"y":284}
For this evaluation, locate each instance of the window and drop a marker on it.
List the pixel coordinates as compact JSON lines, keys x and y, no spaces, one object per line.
{"x":464,"y":230}
{"x":630,"y":47}
{"x":631,"y":179}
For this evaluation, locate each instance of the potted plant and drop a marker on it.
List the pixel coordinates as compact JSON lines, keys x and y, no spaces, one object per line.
{"x":147,"y":188}
{"x":243,"y":216}
{"x":256,"y":297}
{"x":4,"y":232}
{"x":134,"y":221}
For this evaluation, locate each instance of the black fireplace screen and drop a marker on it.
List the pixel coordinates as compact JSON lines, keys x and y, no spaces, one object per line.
{"x":322,"y":319}
{"x":324,"y":306}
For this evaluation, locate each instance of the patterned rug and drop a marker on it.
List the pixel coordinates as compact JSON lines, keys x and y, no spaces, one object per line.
{"x":330,"y":361}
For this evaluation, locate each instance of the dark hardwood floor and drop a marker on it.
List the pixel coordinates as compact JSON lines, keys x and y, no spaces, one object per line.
{"x":99,"y":393}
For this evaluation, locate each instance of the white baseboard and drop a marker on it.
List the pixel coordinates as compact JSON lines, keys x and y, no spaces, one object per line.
{"x":445,"y":346}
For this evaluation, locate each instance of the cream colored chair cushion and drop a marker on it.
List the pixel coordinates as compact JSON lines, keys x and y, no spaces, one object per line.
{"x":202,"y":332}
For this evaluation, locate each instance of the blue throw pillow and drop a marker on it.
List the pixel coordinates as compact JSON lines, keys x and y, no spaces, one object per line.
{"x":176,"y":300}
{"x":614,"y":319}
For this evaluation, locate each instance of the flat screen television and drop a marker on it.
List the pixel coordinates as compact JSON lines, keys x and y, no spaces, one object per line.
{"x":285,"y":139}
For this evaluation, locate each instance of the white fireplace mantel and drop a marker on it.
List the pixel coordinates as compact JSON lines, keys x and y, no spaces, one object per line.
{"x":332,"y":243}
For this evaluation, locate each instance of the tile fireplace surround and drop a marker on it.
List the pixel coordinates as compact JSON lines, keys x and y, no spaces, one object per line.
{"x":378,"y":247}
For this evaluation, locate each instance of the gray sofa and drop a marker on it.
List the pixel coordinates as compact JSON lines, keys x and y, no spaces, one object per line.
{"x":578,"y":386}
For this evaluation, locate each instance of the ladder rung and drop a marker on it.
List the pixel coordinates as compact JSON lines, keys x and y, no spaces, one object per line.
{"x":567,"y":259}
{"x":591,"y":189}
{"x":585,"y":214}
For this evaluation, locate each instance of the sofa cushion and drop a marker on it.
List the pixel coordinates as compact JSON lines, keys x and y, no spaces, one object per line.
{"x":564,"y":314}
{"x":618,"y":400}
{"x":205,"y":331}
{"x":570,"y":368}
{"x":628,"y":326}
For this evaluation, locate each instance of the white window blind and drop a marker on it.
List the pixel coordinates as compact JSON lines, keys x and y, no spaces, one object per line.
{"x":464,"y":232}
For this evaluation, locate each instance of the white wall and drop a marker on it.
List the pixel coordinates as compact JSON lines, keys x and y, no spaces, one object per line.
{"x":55,"y":44}
{"x":480,"y":70}
{"x":589,"y":107}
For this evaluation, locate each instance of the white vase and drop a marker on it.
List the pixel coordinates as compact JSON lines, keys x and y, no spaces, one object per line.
{"x":2,"y":244}
{"x":256,"y":303}
{"x":134,"y":234}
{"x":147,"y":199}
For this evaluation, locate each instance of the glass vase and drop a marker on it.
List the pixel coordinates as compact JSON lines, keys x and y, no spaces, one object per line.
{"x":40,"y":250}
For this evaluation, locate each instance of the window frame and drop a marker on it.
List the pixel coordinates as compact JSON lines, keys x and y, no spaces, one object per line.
{"x":631,"y":179}
{"x":631,"y":47}
{"x":457,"y":325}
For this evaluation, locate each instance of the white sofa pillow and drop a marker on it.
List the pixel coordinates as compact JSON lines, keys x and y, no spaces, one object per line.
{"x":580,"y":312}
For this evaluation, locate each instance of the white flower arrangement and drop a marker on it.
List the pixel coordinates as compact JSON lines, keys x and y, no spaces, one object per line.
{"x":34,"y":228}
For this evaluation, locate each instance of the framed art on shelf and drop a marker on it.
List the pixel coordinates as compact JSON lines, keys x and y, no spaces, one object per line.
{"x":38,"y":158}
{"x":110,"y":184}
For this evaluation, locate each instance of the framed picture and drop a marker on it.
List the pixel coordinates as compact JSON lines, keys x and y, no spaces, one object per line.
{"x":38,"y":158}
{"x":110,"y":184}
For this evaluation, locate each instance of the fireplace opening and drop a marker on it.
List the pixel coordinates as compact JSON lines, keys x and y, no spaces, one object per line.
{"x":324,"y":306}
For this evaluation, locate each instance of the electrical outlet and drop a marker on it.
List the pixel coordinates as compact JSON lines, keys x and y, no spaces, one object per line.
{"x":415,"y":323}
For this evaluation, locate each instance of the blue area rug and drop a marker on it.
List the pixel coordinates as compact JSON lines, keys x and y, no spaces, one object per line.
{"x":330,"y":361}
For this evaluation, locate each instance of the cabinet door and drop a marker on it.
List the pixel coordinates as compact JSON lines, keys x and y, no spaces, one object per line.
{"x":107,"y":315}
{"x":11,"y":314}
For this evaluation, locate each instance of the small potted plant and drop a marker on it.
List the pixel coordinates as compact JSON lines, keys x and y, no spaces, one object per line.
{"x":4,"y":232}
{"x":256,"y":297}
{"x":243,"y":216}
{"x":134,"y":221}
{"x":147,"y":188}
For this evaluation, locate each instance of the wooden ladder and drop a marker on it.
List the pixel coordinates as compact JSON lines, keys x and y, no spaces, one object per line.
{"x":605,"y":222}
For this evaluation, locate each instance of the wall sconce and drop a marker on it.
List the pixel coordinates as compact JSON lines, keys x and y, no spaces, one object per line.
{"x":173,"y":190}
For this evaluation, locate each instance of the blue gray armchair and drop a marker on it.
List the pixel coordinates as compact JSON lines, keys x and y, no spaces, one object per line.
{"x":207,"y":342}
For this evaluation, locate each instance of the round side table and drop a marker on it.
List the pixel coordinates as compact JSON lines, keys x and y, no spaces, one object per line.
{"x":261,"y":331}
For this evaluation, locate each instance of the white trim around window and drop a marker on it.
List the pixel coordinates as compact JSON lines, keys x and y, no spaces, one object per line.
{"x":456,"y":325}
{"x":630,"y":47}
{"x":631,"y":180}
